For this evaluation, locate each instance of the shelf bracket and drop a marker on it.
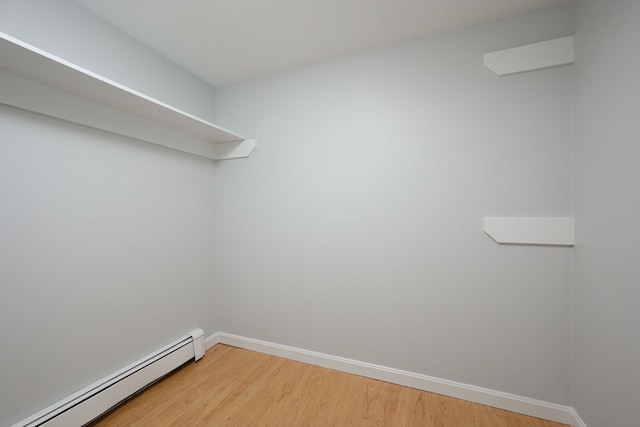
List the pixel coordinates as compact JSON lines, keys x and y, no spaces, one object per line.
{"x":234,"y":149}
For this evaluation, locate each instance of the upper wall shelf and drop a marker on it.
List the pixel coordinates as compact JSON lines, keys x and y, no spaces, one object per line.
{"x":38,"y":81}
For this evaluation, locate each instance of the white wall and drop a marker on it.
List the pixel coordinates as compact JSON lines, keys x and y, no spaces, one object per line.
{"x":606,"y":287}
{"x":106,"y":243}
{"x":355,"y":229}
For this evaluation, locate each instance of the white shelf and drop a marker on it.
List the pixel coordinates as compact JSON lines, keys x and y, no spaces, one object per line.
{"x":530,"y":57}
{"x":35,"y":80}
{"x":531,"y":231}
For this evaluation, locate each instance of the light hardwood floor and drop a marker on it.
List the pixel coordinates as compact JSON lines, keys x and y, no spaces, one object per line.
{"x":236,"y":387}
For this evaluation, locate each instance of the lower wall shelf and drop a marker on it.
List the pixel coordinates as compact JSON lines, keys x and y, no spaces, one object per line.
{"x":531,"y":231}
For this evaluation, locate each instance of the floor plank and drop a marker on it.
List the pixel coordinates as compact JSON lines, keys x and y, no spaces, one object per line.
{"x":236,"y":387}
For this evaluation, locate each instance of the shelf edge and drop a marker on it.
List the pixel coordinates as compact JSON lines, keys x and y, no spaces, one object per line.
{"x":42,"y":99}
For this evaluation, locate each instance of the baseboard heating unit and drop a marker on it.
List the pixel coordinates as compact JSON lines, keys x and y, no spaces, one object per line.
{"x":89,"y":403}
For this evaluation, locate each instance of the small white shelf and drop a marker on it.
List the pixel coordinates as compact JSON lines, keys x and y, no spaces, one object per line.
{"x":531,"y":231}
{"x":530,"y":57}
{"x":38,"y":81}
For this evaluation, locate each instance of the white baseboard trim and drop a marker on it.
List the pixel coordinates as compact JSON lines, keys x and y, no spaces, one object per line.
{"x":211,"y":340}
{"x":576,"y":421}
{"x":510,"y":402}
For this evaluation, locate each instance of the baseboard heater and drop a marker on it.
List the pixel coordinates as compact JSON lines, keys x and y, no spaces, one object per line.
{"x":93,"y":401}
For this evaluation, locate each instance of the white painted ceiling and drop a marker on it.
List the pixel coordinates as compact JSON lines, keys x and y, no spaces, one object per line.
{"x":225,"y":41}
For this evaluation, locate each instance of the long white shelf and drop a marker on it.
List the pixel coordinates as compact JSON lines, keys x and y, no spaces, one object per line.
{"x":38,"y":81}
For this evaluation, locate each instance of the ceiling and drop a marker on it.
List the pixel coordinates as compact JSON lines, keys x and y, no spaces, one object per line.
{"x":225,"y":41}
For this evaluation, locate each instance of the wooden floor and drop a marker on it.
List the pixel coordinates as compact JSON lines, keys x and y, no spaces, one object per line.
{"x":235,"y":387}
